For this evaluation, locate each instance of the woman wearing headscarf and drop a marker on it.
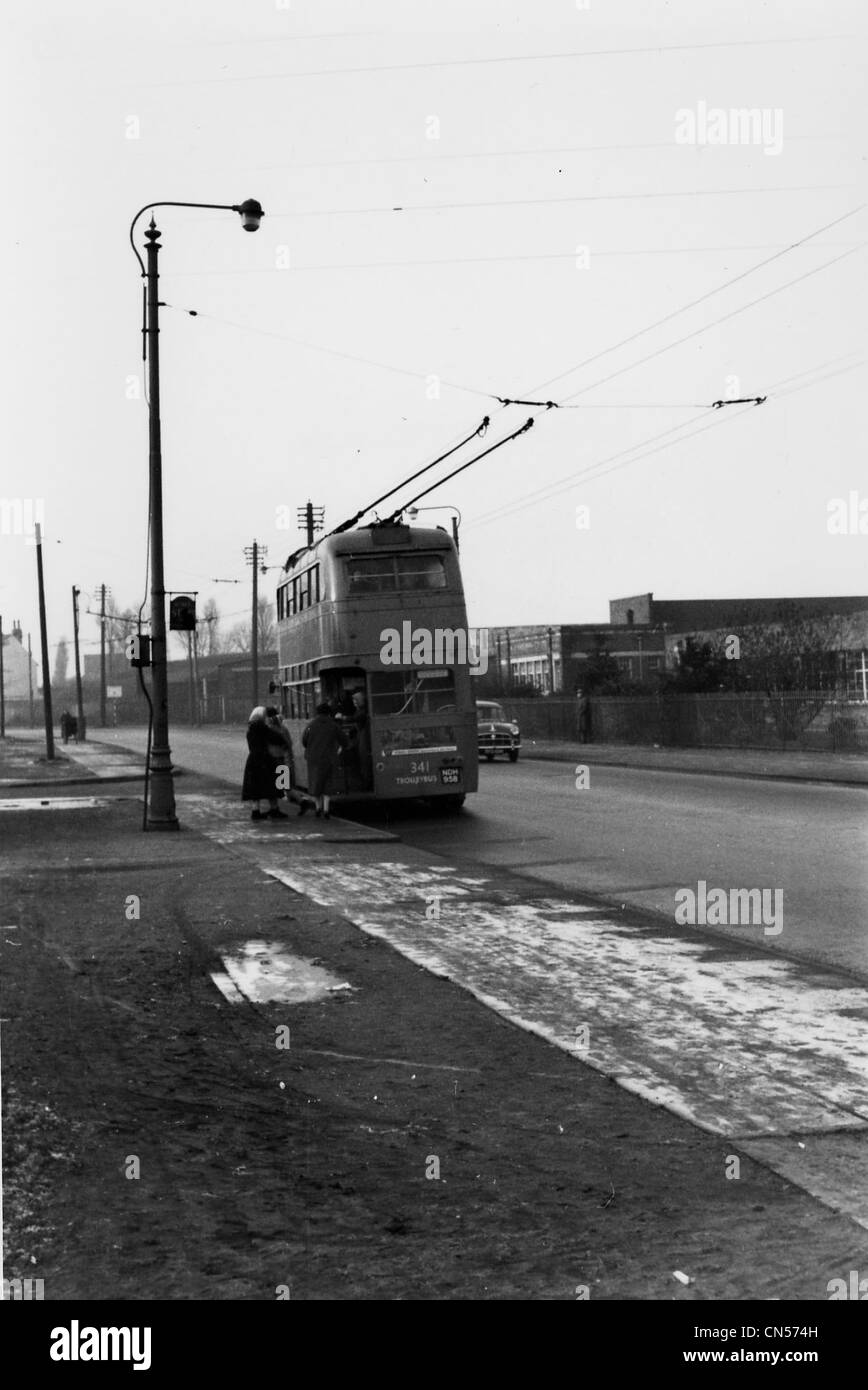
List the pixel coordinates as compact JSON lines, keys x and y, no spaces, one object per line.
{"x":261,"y":768}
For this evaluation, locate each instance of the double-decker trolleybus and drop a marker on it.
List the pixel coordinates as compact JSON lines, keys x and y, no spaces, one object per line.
{"x":379,"y":612}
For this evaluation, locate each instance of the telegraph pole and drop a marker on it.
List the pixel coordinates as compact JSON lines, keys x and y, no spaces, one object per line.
{"x":82,"y":731}
{"x":2,"y":687}
{"x":102,"y":687}
{"x":30,"y":680}
{"x":311,"y":519}
{"x":190,"y":680}
{"x":46,"y":678}
{"x":199,"y":705}
{"x":253,"y":554}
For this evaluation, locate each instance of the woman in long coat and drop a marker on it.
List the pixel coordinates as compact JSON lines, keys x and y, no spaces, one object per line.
{"x":260,"y":770}
{"x":322,"y":739}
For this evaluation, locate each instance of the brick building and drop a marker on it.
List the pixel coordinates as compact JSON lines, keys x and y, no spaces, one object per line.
{"x":645,"y":635}
{"x":843,"y":622}
{"x":553,"y":658}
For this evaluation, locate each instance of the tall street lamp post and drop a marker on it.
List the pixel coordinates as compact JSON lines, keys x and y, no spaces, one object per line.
{"x":161,"y":802}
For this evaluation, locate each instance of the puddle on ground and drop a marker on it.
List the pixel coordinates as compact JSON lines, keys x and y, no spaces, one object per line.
{"x":265,"y":972}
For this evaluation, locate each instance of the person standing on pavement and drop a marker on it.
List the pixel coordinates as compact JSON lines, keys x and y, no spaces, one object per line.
{"x":280,"y":739}
{"x":260,"y":770}
{"x":322,"y":741}
{"x":584,"y":708}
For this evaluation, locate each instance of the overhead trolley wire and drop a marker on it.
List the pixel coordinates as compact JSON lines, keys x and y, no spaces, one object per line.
{"x":806,"y":275}
{"x":692,"y":304}
{"x":657,"y":49}
{"x":591,"y":473}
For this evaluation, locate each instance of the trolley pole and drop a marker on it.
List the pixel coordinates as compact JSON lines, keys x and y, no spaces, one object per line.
{"x":46,"y":678}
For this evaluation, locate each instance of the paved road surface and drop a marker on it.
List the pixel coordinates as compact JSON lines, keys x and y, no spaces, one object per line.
{"x":637,"y":837}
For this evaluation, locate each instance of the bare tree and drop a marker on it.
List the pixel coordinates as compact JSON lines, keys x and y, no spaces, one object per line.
{"x":267,"y":626}
{"x":209,"y":629}
{"x":237,"y":639}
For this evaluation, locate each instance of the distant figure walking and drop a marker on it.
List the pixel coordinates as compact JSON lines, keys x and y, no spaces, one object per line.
{"x":322,"y":740}
{"x":264,"y":758}
{"x":65,"y":725}
{"x":583,"y":705}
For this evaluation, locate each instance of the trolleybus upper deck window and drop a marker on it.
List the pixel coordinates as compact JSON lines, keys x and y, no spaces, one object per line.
{"x":372,"y":574}
{"x":299,"y":593}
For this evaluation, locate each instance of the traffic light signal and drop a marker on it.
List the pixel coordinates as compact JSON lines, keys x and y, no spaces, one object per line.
{"x":182,"y":614}
{"x":138,"y":650}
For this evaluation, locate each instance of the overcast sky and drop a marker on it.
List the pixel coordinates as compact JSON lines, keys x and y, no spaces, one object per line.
{"x":554,"y":203}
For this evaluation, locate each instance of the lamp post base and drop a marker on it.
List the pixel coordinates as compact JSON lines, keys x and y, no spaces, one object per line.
{"x":161,"y":793}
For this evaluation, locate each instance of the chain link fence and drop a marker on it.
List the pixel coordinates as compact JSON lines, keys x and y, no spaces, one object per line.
{"x":809,"y":720}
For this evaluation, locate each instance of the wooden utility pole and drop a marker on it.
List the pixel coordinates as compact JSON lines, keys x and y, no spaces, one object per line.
{"x":254,"y":554}
{"x":46,"y":676}
{"x":199,"y":701}
{"x":30,"y":681}
{"x":82,"y":731}
{"x":2,"y":687}
{"x":254,"y":647}
{"x":102,"y":684}
{"x":191,"y":680}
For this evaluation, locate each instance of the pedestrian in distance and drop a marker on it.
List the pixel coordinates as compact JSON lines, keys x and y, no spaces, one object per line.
{"x":322,"y":741}
{"x":584,"y":710}
{"x":261,"y":769}
{"x":65,"y":725}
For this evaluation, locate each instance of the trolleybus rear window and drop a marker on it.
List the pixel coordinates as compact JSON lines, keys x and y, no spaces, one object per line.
{"x":374,"y":574}
{"x":411,"y":692}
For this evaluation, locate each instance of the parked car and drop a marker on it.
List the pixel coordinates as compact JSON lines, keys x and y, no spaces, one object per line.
{"x":497,"y":734}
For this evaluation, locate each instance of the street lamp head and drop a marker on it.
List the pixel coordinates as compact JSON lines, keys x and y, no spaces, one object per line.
{"x":251,"y":214}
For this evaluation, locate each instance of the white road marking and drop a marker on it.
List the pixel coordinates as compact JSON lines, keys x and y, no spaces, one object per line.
{"x":47,"y":803}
